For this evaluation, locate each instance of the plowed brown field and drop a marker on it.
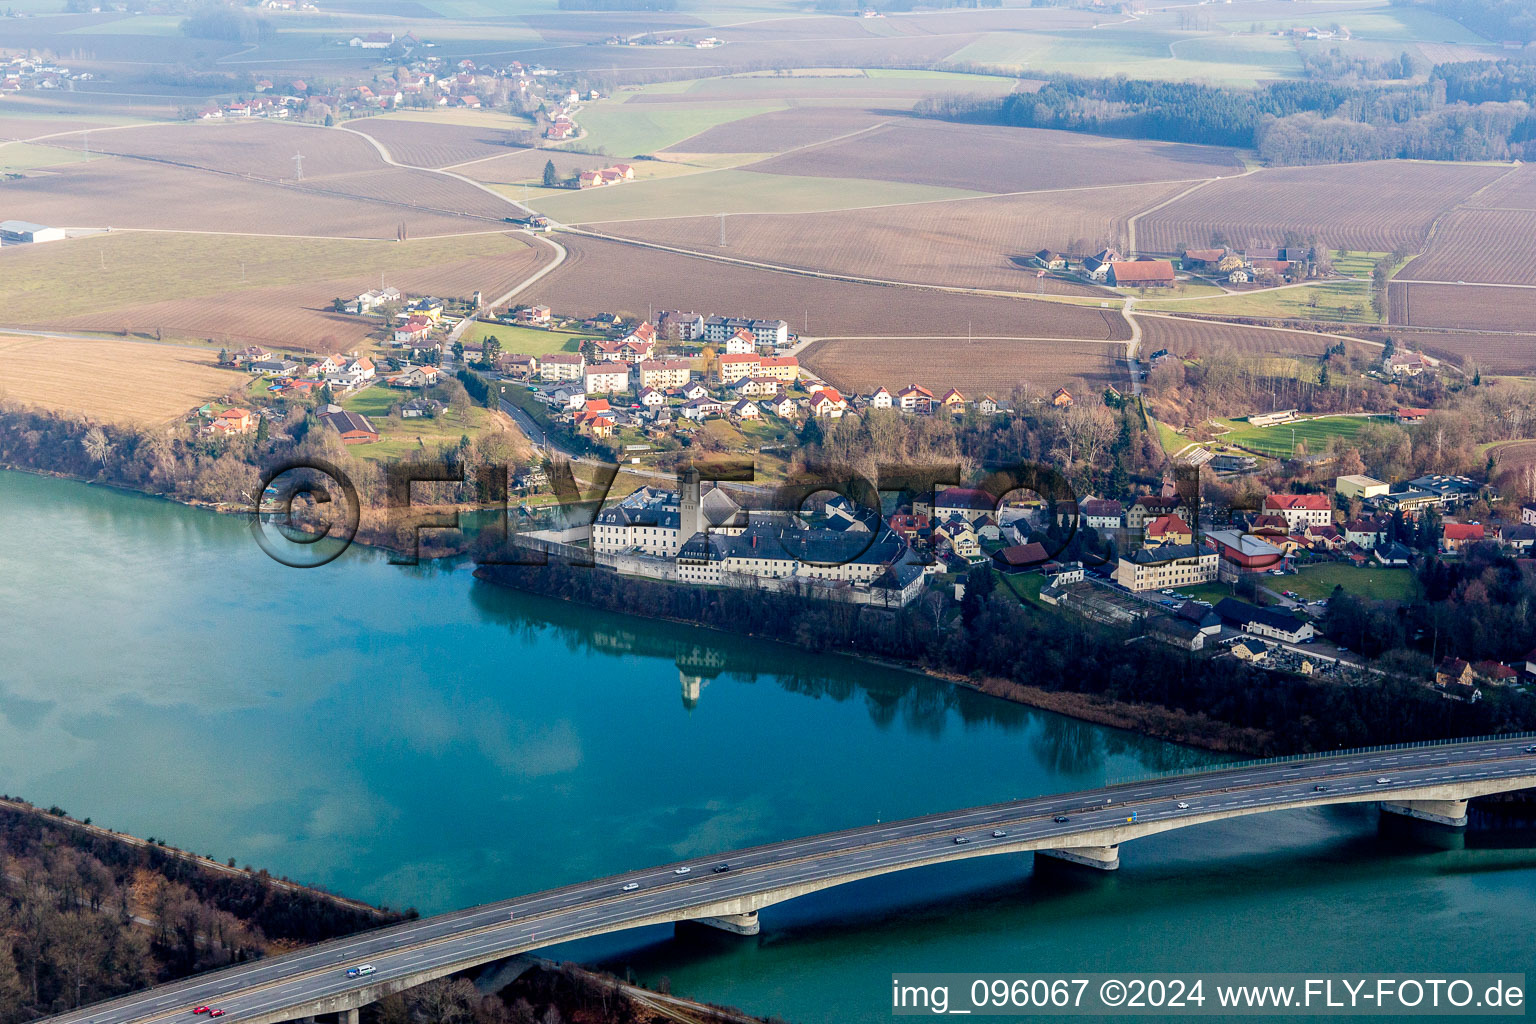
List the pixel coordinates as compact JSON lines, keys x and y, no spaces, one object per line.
{"x":299,"y":318}
{"x":1479,"y":245}
{"x":781,"y":130}
{"x":610,"y":276}
{"x":136,"y":194}
{"x":1463,"y":307}
{"x":994,"y":159}
{"x":118,"y":381}
{"x":1184,"y":337}
{"x":1373,"y":206}
{"x":261,"y":148}
{"x":978,"y":243}
{"x":423,"y":144}
{"x":975,"y":368}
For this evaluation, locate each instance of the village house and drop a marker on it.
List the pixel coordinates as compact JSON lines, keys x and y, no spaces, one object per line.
{"x":1159,"y":567}
{"x":753,"y":387}
{"x":1101,"y":513}
{"x":827,"y":403}
{"x":1300,"y":510}
{"x":369,"y":301}
{"x":274,"y":367}
{"x":414,"y":377}
{"x":731,"y":368}
{"x":562,"y":366}
{"x":700,"y":409}
{"x":782,"y":406}
{"x":1456,"y":536}
{"x":1273,"y":623}
{"x":1062,"y":399}
{"x":232,"y":421}
{"x":1528,"y":513}
{"x":1363,"y":533}
{"x":534,"y":315}
{"x":680,"y":325}
{"x":1020,"y":558}
{"x":412,"y":331}
{"x":717,"y":329}
{"x":1141,"y":274}
{"x":354,"y":428}
{"x":1203,"y":259}
{"x":421,"y":408}
{"x":960,"y":537}
{"x":1169,"y":529}
{"x":1051,"y":260}
{"x":966,"y":502}
{"x":603,"y":379}
{"x":1148,"y":507}
{"x":520,"y":365}
{"x":743,"y":342}
{"x":1455,"y":680}
{"x":1519,"y":537}
{"x":914,"y":398}
{"x":745,"y":410}
{"x":1097,"y":266}
{"x":953,"y":402}
{"x":665,"y":374}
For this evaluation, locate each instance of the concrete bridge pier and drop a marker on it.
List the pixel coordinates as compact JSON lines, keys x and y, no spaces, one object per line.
{"x":736,"y":924}
{"x":1103,"y":858}
{"x":1441,"y":812}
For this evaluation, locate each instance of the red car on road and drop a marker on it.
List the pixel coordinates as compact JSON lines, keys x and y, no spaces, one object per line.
{"x":201,"y":1009}
{"x":215,"y":1013}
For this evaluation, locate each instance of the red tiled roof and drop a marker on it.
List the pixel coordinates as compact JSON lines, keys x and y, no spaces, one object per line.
{"x":1142,"y":270}
{"x":1309,"y":502}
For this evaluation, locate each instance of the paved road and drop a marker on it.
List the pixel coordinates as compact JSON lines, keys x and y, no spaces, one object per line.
{"x":481,"y":934}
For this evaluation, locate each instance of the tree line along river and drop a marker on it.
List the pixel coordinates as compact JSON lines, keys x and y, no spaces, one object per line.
{"x":414,"y":737}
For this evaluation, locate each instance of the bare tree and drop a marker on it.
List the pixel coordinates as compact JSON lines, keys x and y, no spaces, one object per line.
{"x":96,"y":444}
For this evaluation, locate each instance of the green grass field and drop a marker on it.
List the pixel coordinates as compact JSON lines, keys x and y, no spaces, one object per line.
{"x":732,"y":191}
{"x":132,"y":267}
{"x":24,"y":156}
{"x":528,"y":341}
{"x":1212,"y":592}
{"x":1315,"y":582}
{"x":1152,"y":47}
{"x":1334,"y":301}
{"x":1277,"y":440}
{"x":398,"y":440}
{"x":624,"y":130}
{"x":1345,"y":301}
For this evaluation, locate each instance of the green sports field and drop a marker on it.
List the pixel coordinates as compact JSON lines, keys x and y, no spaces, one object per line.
{"x":1288,"y":438}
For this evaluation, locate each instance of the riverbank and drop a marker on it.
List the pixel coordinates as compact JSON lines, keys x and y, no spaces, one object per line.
{"x":1031,"y":656}
{"x":141,"y":898}
{"x":1153,"y":721}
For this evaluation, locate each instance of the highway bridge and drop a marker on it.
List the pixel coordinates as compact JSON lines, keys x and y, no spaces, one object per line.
{"x":1432,"y":782}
